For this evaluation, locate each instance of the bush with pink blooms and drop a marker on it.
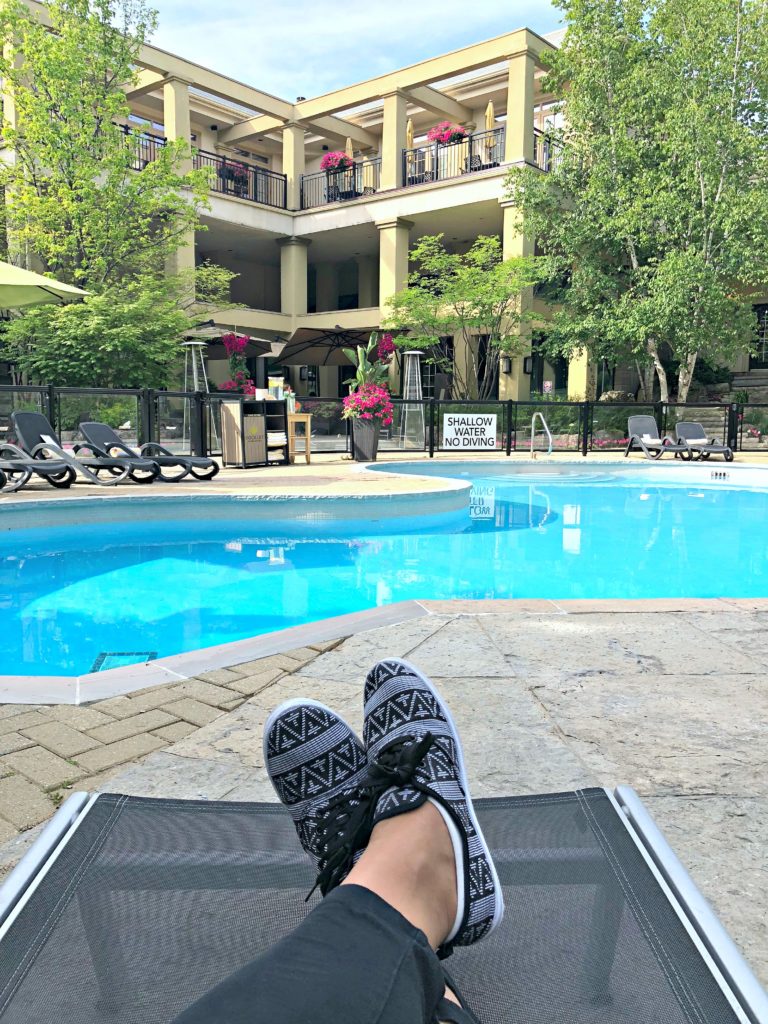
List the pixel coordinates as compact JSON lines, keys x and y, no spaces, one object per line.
{"x":385,"y":349}
{"x":336,"y":161}
{"x":369,"y":402}
{"x":240,"y":383}
{"x":446,"y":132}
{"x":235,"y":345}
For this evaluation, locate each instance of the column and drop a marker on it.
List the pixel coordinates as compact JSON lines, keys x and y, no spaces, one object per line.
{"x":366,"y":282}
{"x":326,"y":287}
{"x":515,"y":243}
{"x":581,"y":377}
{"x":177,"y":125}
{"x":393,"y":140}
{"x":518,"y":145}
{"x":293,"y":163}
{"x":293,"y":274}
{"x":393,"y":273}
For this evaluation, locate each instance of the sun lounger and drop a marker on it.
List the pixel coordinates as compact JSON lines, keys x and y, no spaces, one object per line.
{"x":696,"y":438}
{"x":107,"y":441}
{"x":38,"y":439}
{"x":18,"y":468}
{"x":644,"y":436}
{"x":128,"y":909}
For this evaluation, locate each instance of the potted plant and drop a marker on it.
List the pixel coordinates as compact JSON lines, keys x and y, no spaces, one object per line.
{"x":446,"y":132}
{"x":239,"y":382}
{"x":235,"y":172}
{"x":369,"y":407}
{"x":336,"y":161}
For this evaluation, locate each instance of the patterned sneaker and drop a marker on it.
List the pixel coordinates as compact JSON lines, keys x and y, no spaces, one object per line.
{"x":317,"y":765}
{"x":411,"y":740}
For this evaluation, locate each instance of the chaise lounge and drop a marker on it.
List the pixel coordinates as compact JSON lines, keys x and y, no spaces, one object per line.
{"x":128,"y":909}
{"x":695,"y":437}
{"x":104,"y":439}
{"x":643,"y":434}
{"x":18,"y":468}
{"x":39,"y":440}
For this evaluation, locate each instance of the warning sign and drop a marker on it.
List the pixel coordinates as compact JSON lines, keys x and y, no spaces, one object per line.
{"x":482,"y":502}
{"x":469,"y":431}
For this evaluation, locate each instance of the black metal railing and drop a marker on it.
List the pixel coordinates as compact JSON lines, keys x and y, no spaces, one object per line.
{"x":144,"y":146}
{"x":436,"y":160}
{"x":243,"y":180}
{"x":362,"y":179}
{"x":189,"y":420}
{"x":546,"y":152}
{"x":228,"y":177}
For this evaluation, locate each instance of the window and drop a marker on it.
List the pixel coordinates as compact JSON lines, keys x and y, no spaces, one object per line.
{"x":759,"y":358}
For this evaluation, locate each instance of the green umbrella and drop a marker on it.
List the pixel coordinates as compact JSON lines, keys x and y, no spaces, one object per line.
{"x":24,"y":288}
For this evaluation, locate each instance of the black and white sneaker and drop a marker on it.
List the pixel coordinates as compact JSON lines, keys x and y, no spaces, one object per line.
{"x":318,"y":765}
{"x":412,"y":741}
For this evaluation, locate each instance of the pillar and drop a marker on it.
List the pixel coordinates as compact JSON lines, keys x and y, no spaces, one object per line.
{"x":293,"y":275}
{"x":394,"y":237}
{"x":581,"y":377}
{"x":293,"y":163}
{"x":515,"y":243}
{"x":366,"y":282}
{"x":327,"y":287}
{"x":518,"y":144}
{"x":393,"y":140}
{"x":177,"y":125}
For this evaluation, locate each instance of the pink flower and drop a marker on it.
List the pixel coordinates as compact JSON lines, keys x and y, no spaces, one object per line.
{"x":336,"y":161}
{"x":446,"y":132}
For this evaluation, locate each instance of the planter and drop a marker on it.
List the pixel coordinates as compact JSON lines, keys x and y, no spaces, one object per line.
{"x":365,"y":439}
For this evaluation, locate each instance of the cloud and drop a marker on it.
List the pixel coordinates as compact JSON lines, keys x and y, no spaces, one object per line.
{"x":302,"y":48}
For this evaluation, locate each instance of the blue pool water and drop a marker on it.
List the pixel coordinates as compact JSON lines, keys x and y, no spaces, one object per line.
{"x":77,"y":599}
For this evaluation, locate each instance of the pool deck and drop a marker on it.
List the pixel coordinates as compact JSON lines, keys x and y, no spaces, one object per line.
{"x":670,"y":697}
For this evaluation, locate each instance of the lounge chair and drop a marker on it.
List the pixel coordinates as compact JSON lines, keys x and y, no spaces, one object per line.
{"x":38,"y":439}
{"x":644,"y":436}
{"x":695,"y":437}
{"x":128,"y":909}
{"x":107,"y":441}
{"x":18,"y":468}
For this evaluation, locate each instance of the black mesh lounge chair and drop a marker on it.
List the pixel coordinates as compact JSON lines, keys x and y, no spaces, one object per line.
{"x":644,"y":436}
{"x":129,"y":909}
{"x":38,"y":439}
{"x":18,"y":468}
{"x":696,"y":438}
{"x":106,"y":440}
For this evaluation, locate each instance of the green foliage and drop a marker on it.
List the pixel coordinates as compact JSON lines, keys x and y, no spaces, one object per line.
{"x":127,"y":336}
{"x":657,"y":209}
{"x":469,"y":296}
{"x":75,"y":409}
{"x":368,"y":368}
{"x":74,"y":198}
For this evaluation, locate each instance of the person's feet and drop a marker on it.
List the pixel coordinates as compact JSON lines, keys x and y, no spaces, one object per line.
{"x":414,"y":755}
{"x":318,"y":765}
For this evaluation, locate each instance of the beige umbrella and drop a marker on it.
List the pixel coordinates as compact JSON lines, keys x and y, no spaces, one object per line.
{"x":409,"y":134}
{"x":490,"y":124}
{"x":24,"y":288}
{"x":349,"y":149}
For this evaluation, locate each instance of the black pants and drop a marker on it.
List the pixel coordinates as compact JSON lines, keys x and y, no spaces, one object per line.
{"x":353,"y":960}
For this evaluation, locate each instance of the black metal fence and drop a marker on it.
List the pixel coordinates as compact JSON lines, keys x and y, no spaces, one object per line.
{"x":320,"y":188}
{"x":437,"y":160}
{"x":243,"y":180}
{"x":190,"y":421}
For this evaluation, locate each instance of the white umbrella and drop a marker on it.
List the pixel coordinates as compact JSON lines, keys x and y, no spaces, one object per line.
{"x":24,"y":288}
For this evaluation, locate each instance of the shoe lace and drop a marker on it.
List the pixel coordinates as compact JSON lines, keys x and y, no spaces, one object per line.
{"x":347,"y":820}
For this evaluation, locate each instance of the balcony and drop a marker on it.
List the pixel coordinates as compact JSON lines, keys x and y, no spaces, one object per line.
{"x":327,"y":187}
{"x":546,"y":153}
{"x":437,"y":161}
{"x":229,"y":177}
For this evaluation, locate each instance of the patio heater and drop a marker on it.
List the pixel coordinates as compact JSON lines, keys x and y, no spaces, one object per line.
{"x":195,"y":374}
{"x":412,"y":416}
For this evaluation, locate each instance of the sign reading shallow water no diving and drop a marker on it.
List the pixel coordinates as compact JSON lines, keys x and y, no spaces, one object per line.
{"x":469,"y":430}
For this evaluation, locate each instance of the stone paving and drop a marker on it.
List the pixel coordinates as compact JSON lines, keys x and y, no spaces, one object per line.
{"x":674,"y":704}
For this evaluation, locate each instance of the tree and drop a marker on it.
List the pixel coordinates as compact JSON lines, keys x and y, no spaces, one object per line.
{"x":119,"y":338}
{"x":474,"y":296}
{"x":74,"y":195}
{"x":655,"y":215}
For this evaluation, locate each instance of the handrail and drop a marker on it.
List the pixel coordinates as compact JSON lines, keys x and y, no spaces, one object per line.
{"x":546,"y":430}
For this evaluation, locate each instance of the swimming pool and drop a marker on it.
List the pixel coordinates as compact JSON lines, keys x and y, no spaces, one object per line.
{"x":83,"y":597}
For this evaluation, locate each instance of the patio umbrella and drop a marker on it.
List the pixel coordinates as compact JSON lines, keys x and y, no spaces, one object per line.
{"x":213,"y":332}
{"x":311,"y":346}
{"x":490,"y":117}
{"x":409,"y":134}
{"x":349,"y":149}
{"x":24,"y":288}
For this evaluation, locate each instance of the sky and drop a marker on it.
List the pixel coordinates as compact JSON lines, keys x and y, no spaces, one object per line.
{"x":296,"y":48}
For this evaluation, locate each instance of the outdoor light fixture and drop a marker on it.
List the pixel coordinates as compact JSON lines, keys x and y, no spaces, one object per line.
{"x":506,"y":364}
{"x":528,"y":364}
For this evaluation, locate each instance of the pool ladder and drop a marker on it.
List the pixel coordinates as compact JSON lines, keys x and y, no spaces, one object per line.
{"x":547,"y":431}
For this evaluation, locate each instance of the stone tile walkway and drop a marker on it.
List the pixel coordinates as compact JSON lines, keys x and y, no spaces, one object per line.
{"x":674,"y":704}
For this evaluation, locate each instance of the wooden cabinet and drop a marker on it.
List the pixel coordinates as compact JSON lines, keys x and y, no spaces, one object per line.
{"x":252,"y":431}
